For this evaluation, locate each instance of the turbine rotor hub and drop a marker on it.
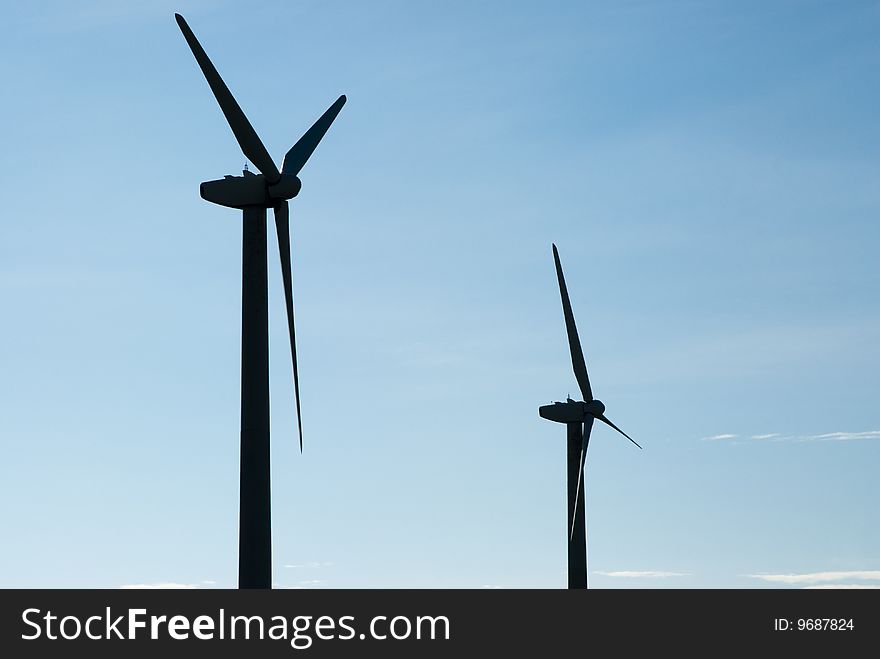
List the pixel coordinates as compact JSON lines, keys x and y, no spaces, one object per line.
{"x":287,"y":187}
{"x":594,"y":408}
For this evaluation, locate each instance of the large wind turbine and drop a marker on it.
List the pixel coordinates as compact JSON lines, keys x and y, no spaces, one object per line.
{"x":578,"y":416}
{"x":253,"y":194}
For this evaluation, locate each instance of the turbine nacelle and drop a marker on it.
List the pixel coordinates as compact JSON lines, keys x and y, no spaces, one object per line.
{"x":249,"y":190}
{"x":572,"y":411}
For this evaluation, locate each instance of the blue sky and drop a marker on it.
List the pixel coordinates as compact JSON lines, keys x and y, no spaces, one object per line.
{"x":709,"y":172}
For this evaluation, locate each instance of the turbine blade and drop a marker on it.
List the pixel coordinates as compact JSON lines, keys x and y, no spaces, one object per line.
{"x":282,"y":226}
{"x":604,"y":419}
{"x":574,"y":343}
{"x":585,"y":441}
{"x":247,"y":137}
{"x":304,"y":148}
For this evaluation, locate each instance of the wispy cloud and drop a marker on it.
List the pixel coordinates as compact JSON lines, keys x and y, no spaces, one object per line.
{"x":843,"y":436}
{"x":643,"y":574}
{"x":160,"y":586}
{"x":302,"y":585}
{"x":843,"y":586}
{"x":819,"y":577}
{"x":313,"y":564}
{"x":837,"y":436}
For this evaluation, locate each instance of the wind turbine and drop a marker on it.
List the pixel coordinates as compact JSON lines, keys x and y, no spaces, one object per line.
{"x":578,"y":416}
{"x":253,"y":194}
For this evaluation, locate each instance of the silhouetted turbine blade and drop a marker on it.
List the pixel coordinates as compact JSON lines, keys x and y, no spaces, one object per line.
{"x":282,"y":226}
{"x":247,"y":137}
{"x":585,"y":441}
{"x":604,"y":419}
{"x":304,"y":148}
{"x":574,"y":343}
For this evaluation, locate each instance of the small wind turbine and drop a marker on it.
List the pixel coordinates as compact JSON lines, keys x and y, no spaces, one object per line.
{"x":253,"y":194}
{"x":578,"y":416}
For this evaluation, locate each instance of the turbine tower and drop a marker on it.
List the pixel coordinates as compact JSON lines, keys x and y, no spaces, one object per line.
{"x":253,"y":194}
{"x":578,"y":416}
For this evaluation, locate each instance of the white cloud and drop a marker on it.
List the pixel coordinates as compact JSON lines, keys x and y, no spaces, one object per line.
{"x":837,"y":436}
{"x":313,"y":564}
{"x":159,"y":586}
{"x":643,"y":574}
{"x":302,"y":585}
{"x":844,"y":436}
{"x":818,"y":577}
{"x":843,"y":586}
